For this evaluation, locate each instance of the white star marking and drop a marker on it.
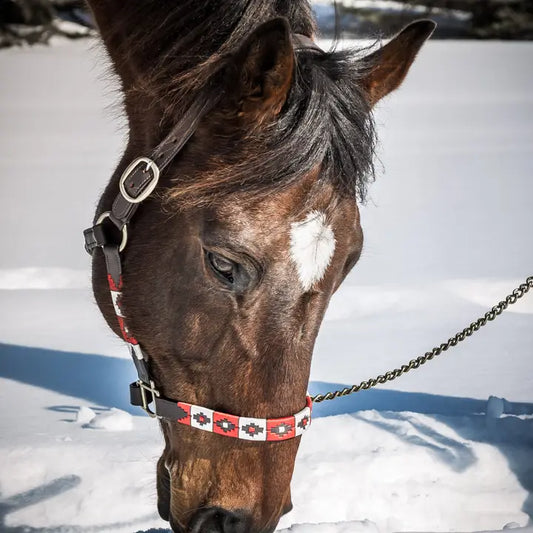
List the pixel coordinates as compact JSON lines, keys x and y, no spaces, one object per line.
{"x":312,"y":247}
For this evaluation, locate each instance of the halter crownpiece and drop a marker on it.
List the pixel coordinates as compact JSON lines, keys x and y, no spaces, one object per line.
{"x":303,"y":42}
{"x":110,"y":234}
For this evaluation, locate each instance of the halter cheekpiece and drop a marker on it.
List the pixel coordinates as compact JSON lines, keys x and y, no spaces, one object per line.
{"x":110,"y":234}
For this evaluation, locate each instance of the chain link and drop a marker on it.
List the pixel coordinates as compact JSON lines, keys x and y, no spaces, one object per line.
{"x":490,"y":315}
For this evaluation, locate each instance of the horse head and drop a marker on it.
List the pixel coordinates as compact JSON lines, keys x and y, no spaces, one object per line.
{"x":232,"y":260}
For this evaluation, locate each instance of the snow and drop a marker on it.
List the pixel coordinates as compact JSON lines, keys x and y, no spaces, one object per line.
{"x":43,"y":278}
{"x":112,"y":420}
{"x":339,"y":527}
{"x":447,"y":235}
{"x":367,"y":527}
{"x":374,"y":454}
{"x":85,"y":415}
{"x":495,"y":407}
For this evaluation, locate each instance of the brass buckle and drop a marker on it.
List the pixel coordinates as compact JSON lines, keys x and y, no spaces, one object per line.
{"x":151,"y":387}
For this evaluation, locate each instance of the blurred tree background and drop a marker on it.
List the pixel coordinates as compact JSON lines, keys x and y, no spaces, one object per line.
{"x":37,"y":21}
{"x":459,"y":19}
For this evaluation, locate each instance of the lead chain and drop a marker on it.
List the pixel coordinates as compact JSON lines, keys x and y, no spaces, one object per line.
{"x":490,"y":315}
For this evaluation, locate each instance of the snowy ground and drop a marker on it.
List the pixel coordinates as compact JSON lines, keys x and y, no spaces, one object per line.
{"x":448,"y":233}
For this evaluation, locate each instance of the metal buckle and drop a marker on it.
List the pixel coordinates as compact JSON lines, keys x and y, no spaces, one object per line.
{"x":107,"y":214}
{"x":150,"y":166}
{"x":143,"y":388}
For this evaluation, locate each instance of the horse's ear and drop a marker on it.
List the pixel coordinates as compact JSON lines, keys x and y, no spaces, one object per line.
{"x":389,"y":65}
{"x":263,"y":68}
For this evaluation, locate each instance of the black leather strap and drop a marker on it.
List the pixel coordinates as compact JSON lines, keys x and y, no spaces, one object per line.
{"x":137,"y":182}
{"x":303,"y":42}
{"x":95,"y":237}
{"x":112,"y":261}
{"x":110,"y":235}
{"x":141,"y":177}
{"x":142,"y":367}
{"x":164,"y":408}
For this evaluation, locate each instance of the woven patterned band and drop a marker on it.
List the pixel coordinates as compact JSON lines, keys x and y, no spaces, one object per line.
{"x":143,"y":393}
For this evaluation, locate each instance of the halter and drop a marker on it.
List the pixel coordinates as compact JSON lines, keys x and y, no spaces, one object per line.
{"x":110,"y":234}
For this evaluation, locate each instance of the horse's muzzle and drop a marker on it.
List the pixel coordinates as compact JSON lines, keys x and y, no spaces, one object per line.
{"x":217,"y":520}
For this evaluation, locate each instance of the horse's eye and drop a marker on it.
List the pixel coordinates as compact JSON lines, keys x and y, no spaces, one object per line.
{"x":222,"y":266}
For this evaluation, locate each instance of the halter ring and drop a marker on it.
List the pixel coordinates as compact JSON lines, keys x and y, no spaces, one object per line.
{"x":107,"y":214}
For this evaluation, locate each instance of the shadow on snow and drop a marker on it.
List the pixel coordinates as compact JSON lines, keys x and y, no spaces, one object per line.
{"x":44,"y":492}
{"x":103,"y":381}
{"x":513,"y":436}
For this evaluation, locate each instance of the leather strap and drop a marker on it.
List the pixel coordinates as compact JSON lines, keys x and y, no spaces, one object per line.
{"x":110,"y":234}
{"x":238,"y":427}
{"x":141,"y":176}
{"x":303,"y":42}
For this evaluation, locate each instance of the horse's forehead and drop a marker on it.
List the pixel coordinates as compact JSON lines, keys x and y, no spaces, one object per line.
{"x":269,"y":216}
{"x":294,"y":223}
{"x":278,"y":209}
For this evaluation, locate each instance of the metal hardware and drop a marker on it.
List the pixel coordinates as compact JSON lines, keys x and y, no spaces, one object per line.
{"x":151,"y":388}
{"x":107,"y":214}
{"x":150,"y":167}
{"x":498,"y":309}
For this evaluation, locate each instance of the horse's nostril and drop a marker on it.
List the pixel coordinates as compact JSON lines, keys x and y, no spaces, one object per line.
{"x":217,"y":520}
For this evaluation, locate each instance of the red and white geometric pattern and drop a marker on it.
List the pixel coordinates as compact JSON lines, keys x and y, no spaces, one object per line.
{"x":201,"y":418}
{"x":237,"y":427}
{"x":252,"y":428}
{"x":245,"y":428}
{"x":303,"y":418}
{"x":116,"y":297}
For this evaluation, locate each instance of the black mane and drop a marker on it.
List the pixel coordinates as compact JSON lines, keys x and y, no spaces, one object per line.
{"x":326,"y":121}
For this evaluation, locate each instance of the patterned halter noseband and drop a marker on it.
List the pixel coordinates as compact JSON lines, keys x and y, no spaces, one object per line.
{"x":110,"y":234}
{"x":143,"y":393}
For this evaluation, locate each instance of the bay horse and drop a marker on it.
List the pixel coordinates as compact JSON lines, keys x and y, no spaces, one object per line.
{"x":232,"y":259}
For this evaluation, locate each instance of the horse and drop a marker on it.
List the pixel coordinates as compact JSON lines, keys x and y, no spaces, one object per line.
{"x":253,"y":225}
